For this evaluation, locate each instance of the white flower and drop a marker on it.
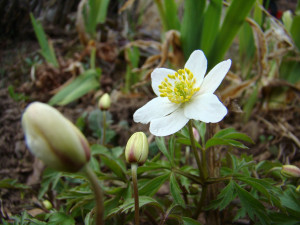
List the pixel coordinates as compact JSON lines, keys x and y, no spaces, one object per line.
{"x":184,"y":95}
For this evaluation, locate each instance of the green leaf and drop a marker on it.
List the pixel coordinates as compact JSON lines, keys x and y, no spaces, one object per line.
{"x":234,"y":19}
{"x":201,"y":127}
{"x":128,"y":205}
{"x":83,"y":84}
{"x":12,"y":184}
{"x":226,"y":196}
{"x":218,"y":141}
{"x":211,"y":22}
{"x":114,"y":166}
{"x":189,"y":221}
{"x":151,"y":187}
{"x":252,"y":206}
{"x":256,"y":184}
{"x":160,"y":141}
{"x":172,"y":20}
{"x":60,"y":218}
{"x":176,"y":191}
{"x":295,"y":30}
{"x":191,"y":26}
{"x":47,"y":49}
{"x":50,"y":179}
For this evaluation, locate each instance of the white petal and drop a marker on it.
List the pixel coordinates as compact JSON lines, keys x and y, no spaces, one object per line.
{"x":214,"y":78}
{"x":206,"y":107}
{"x":197,"y":64}
{"x":155,"y":108}
{"x":157,"y":76}
{"x":169,"y":124}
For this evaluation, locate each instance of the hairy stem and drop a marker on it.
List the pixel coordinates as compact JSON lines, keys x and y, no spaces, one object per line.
{"x":197,"y":157}
{"x":98,"y":193}
{"x":135,"y":193}
{"x":104,"y":126}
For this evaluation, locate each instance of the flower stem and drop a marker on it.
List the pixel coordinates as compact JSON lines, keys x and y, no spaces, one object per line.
{"x":201,"y":201}
{"x":197,"y":157}
{"x":104,"y":126}
{"x":135,"y":193}
{"x":98,"y":193}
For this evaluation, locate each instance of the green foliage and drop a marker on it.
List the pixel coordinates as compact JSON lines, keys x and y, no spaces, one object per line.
{"x":94,"y":13}
{"x":228,"y":137}
{"x":16,"y":96}
{"x":12,"y":184}
{"x":84,"y":83}
{"x":131,"y":78}
{"x":47,"y":48}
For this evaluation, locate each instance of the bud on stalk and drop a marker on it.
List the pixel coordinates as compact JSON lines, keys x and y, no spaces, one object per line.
{"x":54,"y":139}
{"x":104,"y":102}
{"x":290,"y":171}
{"x":137,"y":148}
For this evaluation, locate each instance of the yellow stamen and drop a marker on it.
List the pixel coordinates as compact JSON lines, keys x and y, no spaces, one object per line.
{"x":181,"y":88}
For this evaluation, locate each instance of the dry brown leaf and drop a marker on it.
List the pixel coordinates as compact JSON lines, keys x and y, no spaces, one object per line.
{"x":126,"y":5}
{"x":236,"y":90}
{"x":261,"y":47}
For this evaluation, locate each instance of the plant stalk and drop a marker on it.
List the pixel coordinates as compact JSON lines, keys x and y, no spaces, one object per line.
{"x":98,"y":193}
{"x":104,"y":126}
{"x":197,"y":157}
{"x":135,"y":193}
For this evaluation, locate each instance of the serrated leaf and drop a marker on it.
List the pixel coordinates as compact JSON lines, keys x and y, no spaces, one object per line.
{"x":128,"y":205}
{"x":252,"y":206}
{"x":229,"y":142}
{"x":160,"y":141}
{"x":226,"y":196}
{"x":114,"y":166}
{"x":60,"y":218}
{"x":176,"y":191}
{"x":151,"y":187}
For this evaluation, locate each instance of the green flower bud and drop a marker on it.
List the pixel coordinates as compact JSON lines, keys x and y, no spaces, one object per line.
{"x":47,"y":204}
{"x":196,"y":134}
{"x":137,"y":148}
{"x":287,"y":19}
{"x":290,"y":171}
{"x":54,"y":139}
{"x":104,"y":102}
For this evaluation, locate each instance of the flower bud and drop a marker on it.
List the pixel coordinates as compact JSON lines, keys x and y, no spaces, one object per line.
{"x":54,"y":139}
{"x":47,"y":204}
{"x":290,"y":171}
{"x":287,"y":19}
{"x":196,"y":134}
{"x":104,"y":102}
{"x":137,"y":148}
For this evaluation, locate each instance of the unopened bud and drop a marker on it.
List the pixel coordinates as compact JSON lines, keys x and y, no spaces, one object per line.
{"x":54,"y":139}
{"x":137,"y":148}
{"x":196,"y":134}
{"x":104,"y":102}
{"x":287,"y":19}
{"x":47,"y":204}
{"x":290,"y":171}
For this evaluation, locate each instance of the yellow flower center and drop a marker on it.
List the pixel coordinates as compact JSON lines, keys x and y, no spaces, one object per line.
{"x":182,"y":88}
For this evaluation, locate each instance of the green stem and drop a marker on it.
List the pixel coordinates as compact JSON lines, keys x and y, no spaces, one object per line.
{"x":135,"y":193}
{"x":201,"y":201}
{"x":98,"y":193}
{"x":190,"y":125}
{"x":187,"y":175}
{"x":104,"y":126}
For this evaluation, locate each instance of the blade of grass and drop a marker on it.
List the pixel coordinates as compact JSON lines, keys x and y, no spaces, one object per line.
{"x":47,"y":49}
{"x":234,"y":19}
{"x":211,"y":22}
{"x":171,"y":15}
{"x":191,"y":25}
